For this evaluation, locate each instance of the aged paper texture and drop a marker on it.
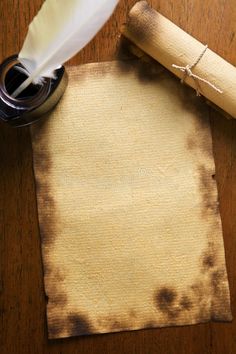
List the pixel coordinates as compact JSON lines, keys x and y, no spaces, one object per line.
{"x":127,"y":203}
{"x":169,"y":44}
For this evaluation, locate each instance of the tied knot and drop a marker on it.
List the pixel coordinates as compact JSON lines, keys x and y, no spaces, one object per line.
{"x":187,"y":70}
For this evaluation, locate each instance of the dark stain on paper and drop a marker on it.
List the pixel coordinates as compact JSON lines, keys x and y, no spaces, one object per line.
{"x":54,"y":330}
{"x":199,"y":300}
{"x":43,"y":162}
{"x":149,"y":70}
{"x":119,"y":326}
{"x":172,"y":305}
{"x":216,"y":279}
{"x":146,"y":68}
{"x":45,"y":199}
{"x":221,"y":304}
{"x":202,"y":315}
{"x":74,"y":325}
{"x":165,"y":301}
{"x":79,"y":325}
{"x":208,"y":192}
{"x":135,"y":25}
{"x":125,"y":52}
{"x":46,"y":206}
{"x":216,"y":283}
{"x":198,"y":290}
{"x":58,"y":299}
{"x":199,"y":140}
{"x":208,"y":261}
{"x":116,"y":323}
{"x":191,"y":143}
{"x":209,"y":258}
{"x":165,"y":298}
{"x":185,"y":303}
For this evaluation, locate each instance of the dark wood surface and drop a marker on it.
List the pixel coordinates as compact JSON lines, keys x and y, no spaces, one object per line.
{"x":22,"y":300}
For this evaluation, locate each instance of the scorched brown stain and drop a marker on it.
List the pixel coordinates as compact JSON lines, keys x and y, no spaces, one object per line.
{"x":209,"y":258}
{"x":45,"y":200}
{"x":149,"y":71}
{"x":79,"y":325}
{"x":191,"y":143}
{"x":165,"y":301}
{"x":58,"y":299}
{"x":55,"y":330}
{"x":56,"y":327}
{"x":42,"y":161}
{"x":135,"y":26}
{"x":115,"y":323}
{"x":119,"y":326}
{"x":185,"y":303}
{"x":216,"y":279}
{"x":221,"y":305}
{"x":198,"y":290}
{"x":172,"y":305}
{"x":55,"y":298}
{"x":146,"y":68}
{"x":207,"y":191}
{"x":165,"y":298}
{"x":124,"y":52}
{"x":208,"y":261}
{"x":199,"y":140}
{"x":46,"y":215}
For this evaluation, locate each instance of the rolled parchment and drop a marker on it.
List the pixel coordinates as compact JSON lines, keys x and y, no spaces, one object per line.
{"x":170,"y":45}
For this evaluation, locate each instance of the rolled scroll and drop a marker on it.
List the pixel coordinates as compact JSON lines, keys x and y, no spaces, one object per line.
{"x":211,"y":75}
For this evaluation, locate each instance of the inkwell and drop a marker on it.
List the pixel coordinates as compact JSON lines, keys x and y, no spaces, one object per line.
{"x":33,"y":82}
{"x":34,"y":101}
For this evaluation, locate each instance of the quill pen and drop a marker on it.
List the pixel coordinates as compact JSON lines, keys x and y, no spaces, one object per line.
{"x":59,"y":30}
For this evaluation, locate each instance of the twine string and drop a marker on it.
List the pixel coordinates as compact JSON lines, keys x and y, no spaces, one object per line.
{"x":187,"y":70}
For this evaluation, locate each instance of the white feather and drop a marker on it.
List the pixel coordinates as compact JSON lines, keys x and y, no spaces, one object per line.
{"x":58,"y":32}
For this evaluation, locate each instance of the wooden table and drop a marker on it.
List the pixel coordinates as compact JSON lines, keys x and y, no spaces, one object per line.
{"x":22,"y":299}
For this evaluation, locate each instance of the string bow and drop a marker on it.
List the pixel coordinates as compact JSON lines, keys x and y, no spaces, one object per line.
{"x":187,"y":70}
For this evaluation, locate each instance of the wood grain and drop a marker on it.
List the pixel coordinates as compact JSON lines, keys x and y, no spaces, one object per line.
{"x":22,"y":299}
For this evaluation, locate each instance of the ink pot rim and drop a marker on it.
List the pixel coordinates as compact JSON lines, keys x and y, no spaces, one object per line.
{"x":24,"y":111}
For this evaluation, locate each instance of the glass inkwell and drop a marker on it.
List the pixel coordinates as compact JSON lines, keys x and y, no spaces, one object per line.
{"x":34,"y":101}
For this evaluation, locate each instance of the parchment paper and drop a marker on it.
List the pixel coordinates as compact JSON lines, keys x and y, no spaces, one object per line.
{"x":168,"y":44}
{"x":127,"y":204}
